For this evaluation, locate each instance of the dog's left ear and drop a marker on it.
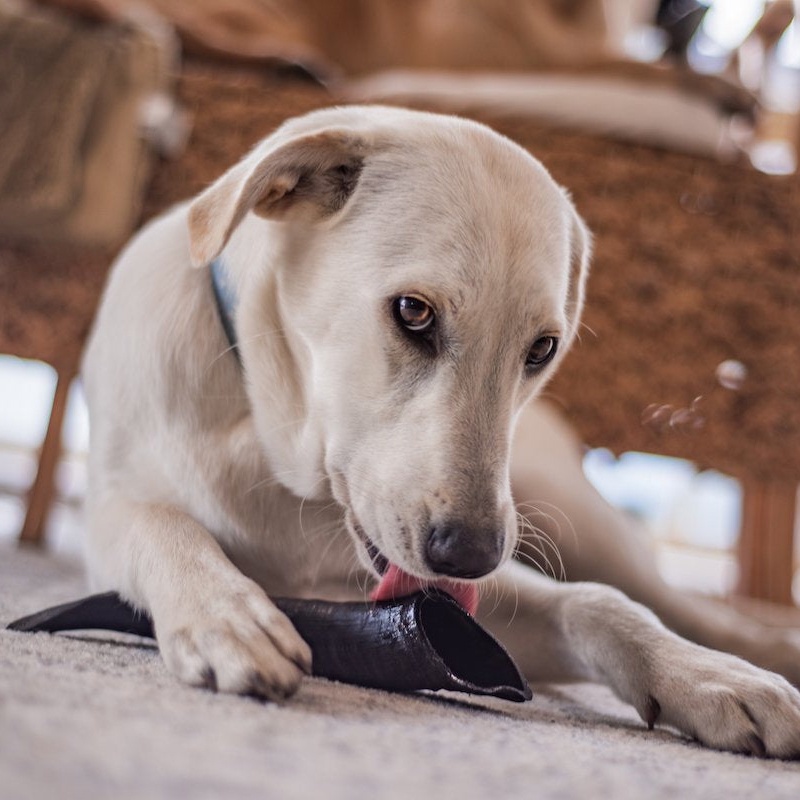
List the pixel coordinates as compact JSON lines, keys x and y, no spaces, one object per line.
{"x":314,"y":174}
{"x":580,"y":256}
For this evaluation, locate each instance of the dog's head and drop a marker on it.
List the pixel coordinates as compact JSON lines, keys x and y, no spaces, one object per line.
{"x":408,"y":282}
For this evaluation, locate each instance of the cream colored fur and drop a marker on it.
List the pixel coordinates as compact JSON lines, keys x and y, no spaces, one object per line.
{"x":215,"y":485}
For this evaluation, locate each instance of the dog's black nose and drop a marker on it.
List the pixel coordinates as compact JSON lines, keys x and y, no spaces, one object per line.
{"x":456,"y":550}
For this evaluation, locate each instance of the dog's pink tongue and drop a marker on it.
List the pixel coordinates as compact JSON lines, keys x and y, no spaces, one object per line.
{"x":396,"y":583}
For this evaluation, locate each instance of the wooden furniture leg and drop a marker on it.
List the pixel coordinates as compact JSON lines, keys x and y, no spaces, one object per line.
{"x":40,"y":496}
{"x":766,"y":541}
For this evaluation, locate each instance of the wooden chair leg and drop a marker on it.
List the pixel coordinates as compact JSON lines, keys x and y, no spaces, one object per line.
{"x":766,"y":541}
{"x":40,"y":496}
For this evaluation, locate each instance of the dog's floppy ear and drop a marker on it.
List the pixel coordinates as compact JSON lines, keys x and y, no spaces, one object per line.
{"x":580,"y":256}
{"x":316,"y":172}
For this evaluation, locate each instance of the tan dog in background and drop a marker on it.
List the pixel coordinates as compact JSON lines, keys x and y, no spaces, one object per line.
{"x":344,"y":39}
{"x":405,"y":284}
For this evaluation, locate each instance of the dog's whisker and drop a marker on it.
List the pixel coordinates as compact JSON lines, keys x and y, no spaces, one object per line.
{"x":275,"y":330}
{"x":583,"y":326}
{"x":249,"y":340}
{"x":326,"y":507}
{"x":333,"y":534}
{"x":516,"y":605}
{"x":538,"y":545}
{"x":229,"y":349}
{"x":536,"y":541}
{"x":303,"y":502}
{"x":275,"y":478}
{"x":362,"y":475}
{"x":357,"y":568}
{"x":526,"y":557}
{"x":547,"y":567}
{"x":535,"y":506}
{"x":541,"y":537}
{"x":271,"y":480}
{"x":500,"y":591}
{"x":492,"y":586}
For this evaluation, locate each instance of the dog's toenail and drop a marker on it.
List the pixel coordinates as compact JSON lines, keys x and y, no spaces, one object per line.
{"x":652,"y":711}
{"x":209,"y":679}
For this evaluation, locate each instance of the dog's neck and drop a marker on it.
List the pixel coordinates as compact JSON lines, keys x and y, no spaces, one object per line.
{"x":293,"y":450}
{"x":226,"y":300}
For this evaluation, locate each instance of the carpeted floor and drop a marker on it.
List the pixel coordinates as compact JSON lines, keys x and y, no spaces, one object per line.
{"x":88,"y":717}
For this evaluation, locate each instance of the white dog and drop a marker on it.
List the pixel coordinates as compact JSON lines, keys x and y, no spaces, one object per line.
{"x":399,"y":286}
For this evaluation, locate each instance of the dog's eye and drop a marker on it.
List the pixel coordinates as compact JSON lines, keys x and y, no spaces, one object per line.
{"x":414,"y":314}
{"x":542,"y":351}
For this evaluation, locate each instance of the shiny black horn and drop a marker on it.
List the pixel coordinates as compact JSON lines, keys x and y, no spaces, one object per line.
{"x":424,"y":641}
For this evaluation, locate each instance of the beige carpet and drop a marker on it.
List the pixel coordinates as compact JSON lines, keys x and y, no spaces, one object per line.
{"x":86,"y":717}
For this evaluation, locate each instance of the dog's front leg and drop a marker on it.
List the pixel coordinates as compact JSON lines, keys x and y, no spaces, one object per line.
{"x":214,"y":626}
{"x":585,"y":631}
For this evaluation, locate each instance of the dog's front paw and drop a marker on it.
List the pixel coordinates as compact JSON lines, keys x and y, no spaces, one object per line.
{"x":237,"y":642}
{"x":725,"y":703}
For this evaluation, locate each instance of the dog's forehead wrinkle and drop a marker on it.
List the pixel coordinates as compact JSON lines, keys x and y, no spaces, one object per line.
{"x":452,"y":167}
{"x":446,"y":230}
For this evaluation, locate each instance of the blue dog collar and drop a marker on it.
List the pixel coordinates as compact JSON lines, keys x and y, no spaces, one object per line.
{"x":225,"y":297}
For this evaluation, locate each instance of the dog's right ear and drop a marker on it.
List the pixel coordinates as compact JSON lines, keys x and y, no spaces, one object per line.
{"x":313,"y":175}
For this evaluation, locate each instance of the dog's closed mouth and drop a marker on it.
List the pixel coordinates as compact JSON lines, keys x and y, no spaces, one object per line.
{"x":395,"y":583}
